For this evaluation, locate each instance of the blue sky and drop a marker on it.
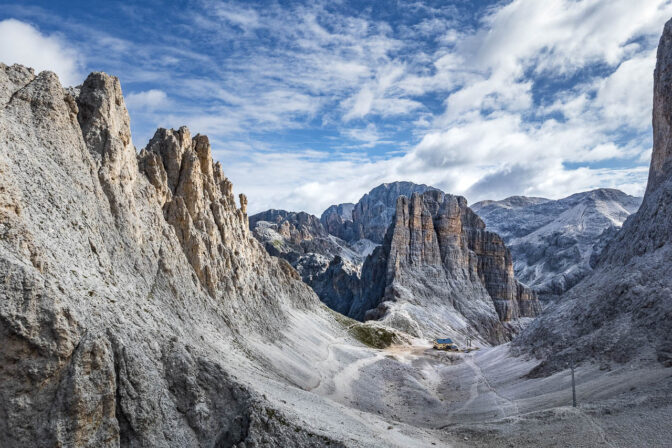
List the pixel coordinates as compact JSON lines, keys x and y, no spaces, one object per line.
{"x":312,"y":103}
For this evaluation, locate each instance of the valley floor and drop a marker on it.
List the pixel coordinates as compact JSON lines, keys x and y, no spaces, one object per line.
{"x":415,"y":396}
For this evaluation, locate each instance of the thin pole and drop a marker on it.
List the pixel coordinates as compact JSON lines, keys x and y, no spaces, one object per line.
{"x":571,"y":360}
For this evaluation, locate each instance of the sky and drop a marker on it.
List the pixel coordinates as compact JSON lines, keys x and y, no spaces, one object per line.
{"x":309,"y":104}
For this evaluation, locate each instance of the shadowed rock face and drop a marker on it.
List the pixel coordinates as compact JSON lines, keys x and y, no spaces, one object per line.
{"x":326,"y":263}
{"x":337,"y":220}
{"x":623,"y":310}
{"x":439,"y":271}
{"x":125,"y":280}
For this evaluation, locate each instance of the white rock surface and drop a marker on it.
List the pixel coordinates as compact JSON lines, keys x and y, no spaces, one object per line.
{"x":553,"y":241}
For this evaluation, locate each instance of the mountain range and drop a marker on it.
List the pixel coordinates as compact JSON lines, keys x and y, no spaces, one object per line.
{"x":141,"y":306}
{"x":554,"y":241}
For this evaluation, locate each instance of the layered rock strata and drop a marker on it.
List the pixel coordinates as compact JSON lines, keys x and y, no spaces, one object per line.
{"x":440,"y":272}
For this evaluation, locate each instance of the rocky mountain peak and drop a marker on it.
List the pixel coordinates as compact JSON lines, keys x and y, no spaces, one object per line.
{"x":554,"y":241}
{"x":661,"y":158}
{"x":197,"y":200}
{"x":439,"y":271}
{"x":372,"y":214}
{"x":337,"y":220}
{"x":125,"y":277}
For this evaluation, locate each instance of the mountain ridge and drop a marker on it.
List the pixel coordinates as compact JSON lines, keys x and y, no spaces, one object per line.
{"x":555,"y":242}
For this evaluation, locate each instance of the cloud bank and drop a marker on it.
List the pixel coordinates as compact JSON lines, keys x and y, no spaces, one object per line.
{"x":309,"y":104}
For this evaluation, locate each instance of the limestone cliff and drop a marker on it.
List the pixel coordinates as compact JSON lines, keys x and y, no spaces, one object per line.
{"x":375,"y":211}
{"x":440,"y":272}
{"x":337,"y":220}
{"x":128,"y":282}
{"x":325,"y":262}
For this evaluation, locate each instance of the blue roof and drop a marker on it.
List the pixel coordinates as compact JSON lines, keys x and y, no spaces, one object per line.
{"x":444,"y":341}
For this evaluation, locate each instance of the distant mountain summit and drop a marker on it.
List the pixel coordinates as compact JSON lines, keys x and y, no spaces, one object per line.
{"x":370,"y":217}
{"x":553,"y":241}
{"x":438,"y":270}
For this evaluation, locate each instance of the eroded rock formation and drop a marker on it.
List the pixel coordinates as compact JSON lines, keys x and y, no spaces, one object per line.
{"x":440,"y":272}
{"x":127,"y":281}
{"x":375,"y":211}
{"x":337,"y":220}
{"x":325,"y":262}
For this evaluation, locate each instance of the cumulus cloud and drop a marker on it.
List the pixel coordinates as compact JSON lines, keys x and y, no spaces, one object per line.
{"x":308,"y":104}
{"x":148,"y":100}
{"x":493,"y":137}
{"x":22,"y":43}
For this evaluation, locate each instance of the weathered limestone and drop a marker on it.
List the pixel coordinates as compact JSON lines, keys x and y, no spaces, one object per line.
{"x":127,"y":282}
{"x":323,"y":261}
{"x":440,"y":271}
{"x":198,"y":201}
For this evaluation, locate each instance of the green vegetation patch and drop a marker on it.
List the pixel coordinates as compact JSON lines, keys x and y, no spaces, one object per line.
{"x":374,"y":336}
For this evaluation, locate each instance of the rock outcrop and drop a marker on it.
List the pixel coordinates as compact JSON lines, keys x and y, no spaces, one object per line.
{"x":132,"y":290}
{"x":623,"y":310}
{"x":370,"y":217}
{"x":329,"y":252}
{"x":337,"y":220}
{"x":375,"y":211}
{"x":439,"y":272}
{"x":554,"y":241}
{"x":325,"y":262}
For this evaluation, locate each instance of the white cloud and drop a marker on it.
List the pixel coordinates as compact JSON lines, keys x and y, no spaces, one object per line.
{"x":467,"y":105}
{"x":21,"y":43}
{"x":626,"y":95}
{"x":148,"y":100}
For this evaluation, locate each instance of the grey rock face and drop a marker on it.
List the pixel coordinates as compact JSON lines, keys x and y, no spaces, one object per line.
{"x":126,"y":280}
{"x":375,"y":211}
{"x":371,"y":216}
{"x":440,"y":272}
{"x":553,"y":241}
{"x":337,"y":220}
{"x":338,"y":285}
{"x":328,"y":264}
{"x":621,"y":312}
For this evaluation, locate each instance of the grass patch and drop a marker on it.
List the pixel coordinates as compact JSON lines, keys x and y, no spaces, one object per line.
{"x":373,"y":336}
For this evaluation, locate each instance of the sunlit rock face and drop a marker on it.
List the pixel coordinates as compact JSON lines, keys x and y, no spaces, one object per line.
{"x":127,"y":280}
{"x":622,"y":311}
{"x":375,"y":211}
{"x":440,"y":272}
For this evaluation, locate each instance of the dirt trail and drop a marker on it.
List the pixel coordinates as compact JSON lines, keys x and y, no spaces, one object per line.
{"x":479,"y":372}
{"x":597,"y":428}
